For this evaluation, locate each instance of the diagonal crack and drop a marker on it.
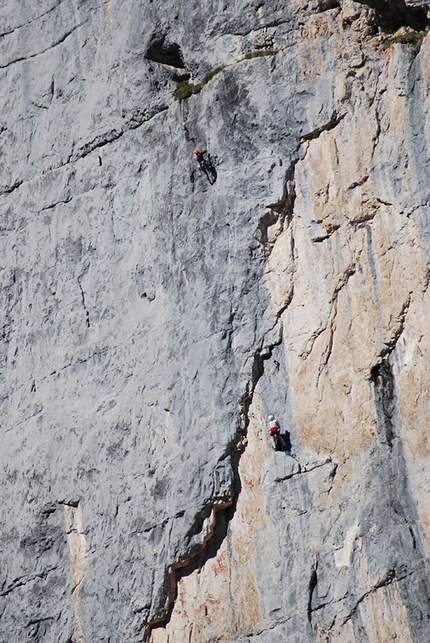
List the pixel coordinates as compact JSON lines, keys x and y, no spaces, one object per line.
{"x":99,"y":141}
{"x":281,"y":211}
{"x":330,"y":326}
{"x":39,"y":53}
{"x":390,"y":578}
{"x":331,"y":124}
{"x":23,"y":580}
{"x":25,"y":24}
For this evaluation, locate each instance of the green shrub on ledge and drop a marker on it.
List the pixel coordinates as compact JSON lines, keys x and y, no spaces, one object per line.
{"x":260,"y":53}
{"x":185,"y":89}
{"x":414,"y":38}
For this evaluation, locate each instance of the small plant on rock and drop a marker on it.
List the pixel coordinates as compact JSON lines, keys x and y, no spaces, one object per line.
{"x":186,"y":89}
{"x":183,"y":90}
{"x":259,"y":53}
{"x":406,"y":37}
{"x":211,"y":74}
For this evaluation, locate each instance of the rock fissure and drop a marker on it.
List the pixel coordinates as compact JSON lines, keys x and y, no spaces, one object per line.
{"x":261,"y":27}
{"x":114,"y":134}
{"x":146,"y":530}
{"x":389,"y":579}
{"x":331,"y":228}
{"x":11,"y":188}
{"x":330,"y":326}
{"x":36,"y":621}
{"x":279,"y":212}
{"x":39,"y":53}
{"x":29,"y":22}
{"x":54,"y":205}
{"x":326,"y":354}
{"x":390,"y":345}
{"x":358,"y":183}
{"x":306,"y":469}
{"x":382,"y":378}
{"x":24,"y":580}
{"x":312,"y":586}
{"x":414,"y":209}
{"x":30,"y":417}
{"x":96,"y":353}
{"x":334,"y":121}
{"x":343,"y":281}
{"x":86,"y":149}
{"x":87,"y":313}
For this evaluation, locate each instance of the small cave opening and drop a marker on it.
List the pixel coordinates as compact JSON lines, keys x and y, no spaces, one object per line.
{"x":326,"y":5}
{"x":390,"y":15}
{"x":166,"y":53}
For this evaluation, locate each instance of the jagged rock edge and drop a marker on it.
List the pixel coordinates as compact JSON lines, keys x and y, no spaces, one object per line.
{"x":282,"y":211}
{"x":217,"y":511}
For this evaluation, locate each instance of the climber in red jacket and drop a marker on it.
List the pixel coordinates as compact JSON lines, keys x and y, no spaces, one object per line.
{"x":274,"y":430}
{"x":281,"y":441}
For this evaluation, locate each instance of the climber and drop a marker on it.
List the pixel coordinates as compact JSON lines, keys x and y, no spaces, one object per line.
{"x":200,"y":158}
{"x":281,"y":441}
{"x":205,"y":164}
{"x":274,"y":430}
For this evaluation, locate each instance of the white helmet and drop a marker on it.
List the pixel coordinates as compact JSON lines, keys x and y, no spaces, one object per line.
{"x":271,"y":417}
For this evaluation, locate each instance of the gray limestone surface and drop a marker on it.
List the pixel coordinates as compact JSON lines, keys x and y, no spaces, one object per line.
{"x":142,"y":309}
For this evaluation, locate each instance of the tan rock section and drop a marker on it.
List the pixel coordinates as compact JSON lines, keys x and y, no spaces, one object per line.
{"x":78,"y":562}
{"x":359,"y":278}
{"x":356,"y":268}
{"x":222,"y":600}
{"x":384,"y":618}
{"x":411,"y":357}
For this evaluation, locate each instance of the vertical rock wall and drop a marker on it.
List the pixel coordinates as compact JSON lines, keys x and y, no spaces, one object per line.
{"x":152,"y":320}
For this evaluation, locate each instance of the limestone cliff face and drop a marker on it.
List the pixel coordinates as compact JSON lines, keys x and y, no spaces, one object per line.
{"x":151,"y":321}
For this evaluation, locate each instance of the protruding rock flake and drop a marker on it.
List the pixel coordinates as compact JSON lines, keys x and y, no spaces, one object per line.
{"x":158,"y":306}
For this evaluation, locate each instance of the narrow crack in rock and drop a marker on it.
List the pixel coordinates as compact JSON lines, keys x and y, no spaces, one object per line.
{"x":39,"y":53}
{"x":86,"y":149}
{"x":331,"y":124}
{"x":29,"y":22}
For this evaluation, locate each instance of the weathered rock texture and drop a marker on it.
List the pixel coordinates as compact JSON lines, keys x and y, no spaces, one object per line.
{"x":150,"y":321}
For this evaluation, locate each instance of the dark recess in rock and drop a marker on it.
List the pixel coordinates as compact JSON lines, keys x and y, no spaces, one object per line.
{"x":393,"y":14}
{"x":268,"y":219}
{"x":326,"y":5}
{"x":312,"y":584}
{"x":166,"y":54}
{"x":385,"y":400}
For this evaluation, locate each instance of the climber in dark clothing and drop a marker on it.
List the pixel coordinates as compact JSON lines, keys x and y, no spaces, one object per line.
{"x":200,"y":158}
{"x":205,"y":164}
